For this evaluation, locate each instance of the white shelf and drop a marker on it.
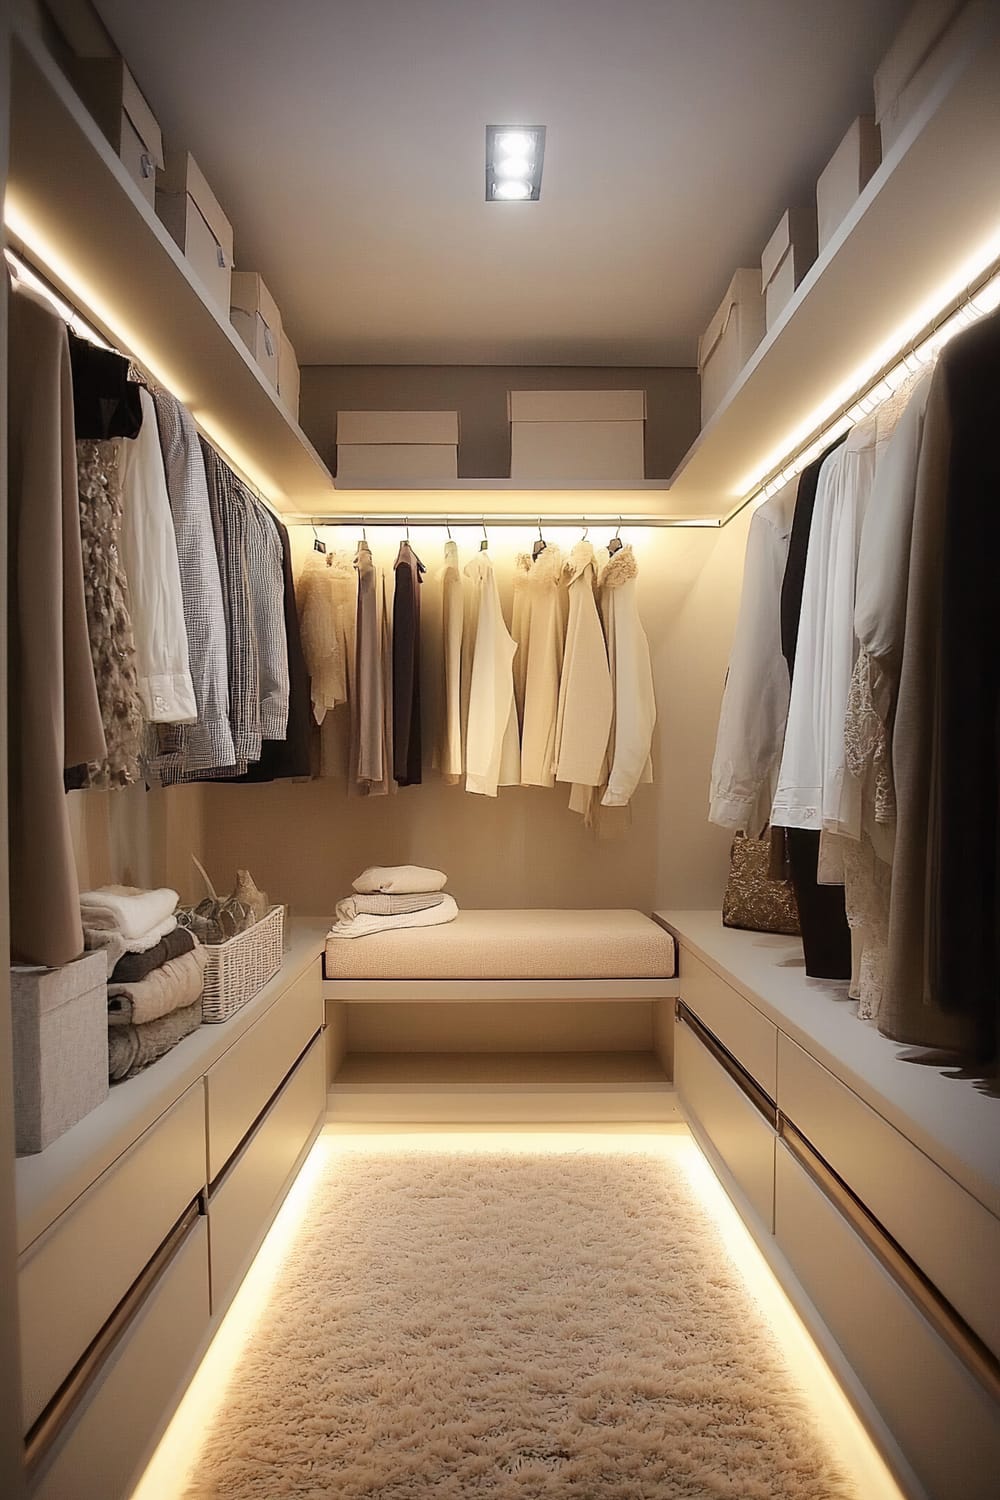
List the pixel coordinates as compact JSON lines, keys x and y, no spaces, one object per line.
{"x":72,"y":203}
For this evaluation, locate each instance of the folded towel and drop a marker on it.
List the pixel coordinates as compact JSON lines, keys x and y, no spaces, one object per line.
{"x":366,"y":926}
{"x":174,"y":986}
{"x":126,"y":909}
{"x":385,"y":906}
{"x":116,"y":946}
{"x":132,"y":967}
{"x":132,"y":1048}
{"x":401,"y":880}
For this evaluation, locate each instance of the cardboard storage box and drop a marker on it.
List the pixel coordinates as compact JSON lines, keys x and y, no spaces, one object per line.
{"x":920,"y":53}
{"x":60,"y":1034}
{"x":576,"y":435}
{"x":421,"y":446}
{"x":288,"y":375}
{"x":786,"y":258}
{"x":730,"y":339}
{"x":256,"y":318}
{"x":190,"y":210}
{"x":844,"y":177}
{"x":112,"y":95}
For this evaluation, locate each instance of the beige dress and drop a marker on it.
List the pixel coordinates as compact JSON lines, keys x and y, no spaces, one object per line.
{"x":540,"y":632}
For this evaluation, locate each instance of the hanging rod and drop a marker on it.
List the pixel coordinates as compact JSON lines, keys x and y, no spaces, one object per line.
{"x":569,"y":520}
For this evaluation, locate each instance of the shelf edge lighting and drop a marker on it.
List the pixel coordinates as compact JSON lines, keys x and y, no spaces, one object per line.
{"x":514,"y":155}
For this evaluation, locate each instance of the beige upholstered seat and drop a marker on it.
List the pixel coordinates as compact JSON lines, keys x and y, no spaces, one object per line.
{"x":517,"y":944}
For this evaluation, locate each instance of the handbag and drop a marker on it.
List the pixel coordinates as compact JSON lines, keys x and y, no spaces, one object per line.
{"x":753,"y":900}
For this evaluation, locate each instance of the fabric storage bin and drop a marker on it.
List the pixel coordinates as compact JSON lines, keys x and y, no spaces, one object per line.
{"x":569,"y":435}
{"x":113,"y":97}
{"x":288,"y":375}
{"x":238,"y":969}
{"x":255,"y":316}
{"x":190,"y":210}
{"x":843,"y":179}
{"x":920,"y":53}
{"x":786,"y":258}
{"x":397,"y":445}
{"x":730,"y":338}
{"x":60,"y":1035}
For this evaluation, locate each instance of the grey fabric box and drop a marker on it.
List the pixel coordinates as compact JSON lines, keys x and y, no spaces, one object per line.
{"x":60,"y":1024}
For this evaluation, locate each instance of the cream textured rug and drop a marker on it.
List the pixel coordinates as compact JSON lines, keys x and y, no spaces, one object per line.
{"x":455,"y":1326}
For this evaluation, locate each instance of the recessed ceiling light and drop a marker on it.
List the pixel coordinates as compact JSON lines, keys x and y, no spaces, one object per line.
{"x":514,"y":162}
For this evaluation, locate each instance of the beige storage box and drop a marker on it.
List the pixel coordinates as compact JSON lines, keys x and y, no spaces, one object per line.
{"x":418,"y":446}
{"x":60,"y":1027}
{"x":562,"y":436}
{"x":112,"y":95}
{"x":730,"y":339}
{"x":920,"y":53}
{"x":256,"y":318}
{"x":190,"y":210}
{"x":786,"y":258}
{"x":845,"y":176}
{"x":288,"y":375}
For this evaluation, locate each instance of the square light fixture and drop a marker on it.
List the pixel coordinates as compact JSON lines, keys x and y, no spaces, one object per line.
{"x":514,"y":163}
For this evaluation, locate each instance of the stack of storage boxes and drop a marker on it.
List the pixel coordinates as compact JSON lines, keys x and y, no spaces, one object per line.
{"x":190,"y":210}
{"x":568,"y":436}
{"x":417,"y":447}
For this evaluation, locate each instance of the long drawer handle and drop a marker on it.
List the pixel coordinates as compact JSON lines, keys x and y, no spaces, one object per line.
{"x":947,"y":1323}
{"x":762,"y":1102}
{"x":53,"y":1420}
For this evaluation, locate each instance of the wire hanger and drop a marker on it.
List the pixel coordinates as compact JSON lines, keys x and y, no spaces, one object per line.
{"x":586,"y":528}
{"x":447,"y":527}
{"x":540,"y":545}
{"x":318,"y":543}
{"x":615,"y":544}
{"x":484,"y":544}
{"x":406,"y":524}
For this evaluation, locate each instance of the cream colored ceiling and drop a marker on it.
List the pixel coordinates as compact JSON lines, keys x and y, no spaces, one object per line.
{"x":347,"y":142}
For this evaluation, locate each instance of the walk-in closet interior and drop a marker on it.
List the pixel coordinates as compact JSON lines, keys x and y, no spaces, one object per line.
{"x":501,"y":762}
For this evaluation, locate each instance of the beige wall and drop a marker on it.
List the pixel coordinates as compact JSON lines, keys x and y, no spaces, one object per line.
{"x":305,"y":842}
{"x":135,"y":837}
{"x":479,"y":394}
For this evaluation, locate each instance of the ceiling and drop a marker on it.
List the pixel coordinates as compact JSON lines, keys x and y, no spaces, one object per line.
{"x":346,"y":142}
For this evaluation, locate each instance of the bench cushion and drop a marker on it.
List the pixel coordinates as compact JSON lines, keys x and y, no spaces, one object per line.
{"x":517,"y":944}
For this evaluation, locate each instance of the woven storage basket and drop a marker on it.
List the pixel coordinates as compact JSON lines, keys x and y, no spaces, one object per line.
{"x":241,"y":967}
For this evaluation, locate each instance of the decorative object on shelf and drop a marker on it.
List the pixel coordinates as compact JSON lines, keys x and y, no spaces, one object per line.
{"x":753,"y":900}
{"x":60,"y":1038}
{"x":217,"y":918}
{"x":238,"y":969}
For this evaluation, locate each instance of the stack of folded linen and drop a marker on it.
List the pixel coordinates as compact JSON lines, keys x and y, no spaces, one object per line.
{"x":392,"y":896}
{"x":157,"y":973}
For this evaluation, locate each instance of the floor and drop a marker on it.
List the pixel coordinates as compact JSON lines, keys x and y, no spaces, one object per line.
{"x":177,"y":1455}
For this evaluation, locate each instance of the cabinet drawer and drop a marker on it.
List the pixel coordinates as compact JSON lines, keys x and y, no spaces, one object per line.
{"x":735,"y":1127}
{"x":240,"y":1210}
{"x":944,"y":1421}
{"x":74,"y":1275}
{"x":112,"y":1435}
{"x":953,"y":1239}
{"x":241,"y":1082}
{"x":739,"y":1026}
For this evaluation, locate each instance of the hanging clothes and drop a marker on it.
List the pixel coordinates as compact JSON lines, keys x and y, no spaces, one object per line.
{"x":448,"y":758}
{"x":370,"y":761}
{"x":634,"y":717}
{"x":328,"y":601}
{"x":492,"y":756}
{"x":207,"y":744}
{"x":755,"y":698}
{"x":586,"y":698}
{"x":149,"y":553}
{"x":406,"y":738}
{"x":265,"y":573}
{"x":106,"y":403}
{"x":540,"y":610}
{"x":54,"y":718}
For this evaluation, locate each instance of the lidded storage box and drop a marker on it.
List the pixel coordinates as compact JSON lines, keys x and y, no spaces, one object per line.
{"x":730,"y":339}
{"x":113,"y":97}
{"x":921,"y":53}
{"x":564,"y":436}
{"x":60,"y":1033}
{"x":845,"y":176}
{"x":256,"y":318}
{"x":288,"y":375}
{"x":786,"y":258}
{"x":420,"y":446}
{"x":190,"y":210}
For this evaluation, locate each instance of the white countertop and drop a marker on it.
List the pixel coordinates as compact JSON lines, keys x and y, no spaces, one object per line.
{"x":47,"y":1183}
{"x":953,"y":1119}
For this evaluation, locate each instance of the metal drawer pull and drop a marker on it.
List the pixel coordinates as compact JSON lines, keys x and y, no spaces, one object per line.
{"x":749,"y":1086}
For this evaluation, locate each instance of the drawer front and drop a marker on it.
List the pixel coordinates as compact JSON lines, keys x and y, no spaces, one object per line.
{"x":72,"y":1278}
{"x":112,"y":1435}
{"x":739,"y":1026}
{"x":741,"y":1136}
{"x":240,"y":1211}
{"x":241,"y":1082}
{"x":947,"y":1426}
{"x":953,"y":1239}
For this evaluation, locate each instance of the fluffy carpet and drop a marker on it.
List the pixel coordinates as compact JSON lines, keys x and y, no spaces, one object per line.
{"x":512,"y":1327}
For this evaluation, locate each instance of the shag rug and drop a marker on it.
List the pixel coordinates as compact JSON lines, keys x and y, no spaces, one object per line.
{"x":512,"y":1326}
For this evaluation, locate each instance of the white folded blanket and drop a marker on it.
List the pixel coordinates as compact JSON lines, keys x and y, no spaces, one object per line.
{"x":399,"y":880}
{"x":126,"y":909}
{"x":385,"y":906}
{"x":366,"y":925}
{"x":116,"y":946}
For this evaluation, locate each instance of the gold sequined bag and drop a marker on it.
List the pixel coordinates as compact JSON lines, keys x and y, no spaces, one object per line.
{"x":753,"y":900}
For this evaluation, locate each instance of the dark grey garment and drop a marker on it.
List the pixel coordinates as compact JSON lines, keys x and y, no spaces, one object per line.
{"x":132,"y":967}
{"x":132,"y":1048}
{"x":406,"y":746}
{"x":371,"y":765}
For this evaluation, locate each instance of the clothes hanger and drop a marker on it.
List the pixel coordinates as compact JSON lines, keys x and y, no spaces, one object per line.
{"x":540,"y":545}
{"x":318,"y":543}
{"x":485,"y":543}
{"x":586,"y":528}
{"x":447,"y":527}
{"x":615,"y":544}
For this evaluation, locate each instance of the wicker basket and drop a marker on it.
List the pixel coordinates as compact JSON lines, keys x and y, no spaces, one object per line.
{"x":238,"y":969}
